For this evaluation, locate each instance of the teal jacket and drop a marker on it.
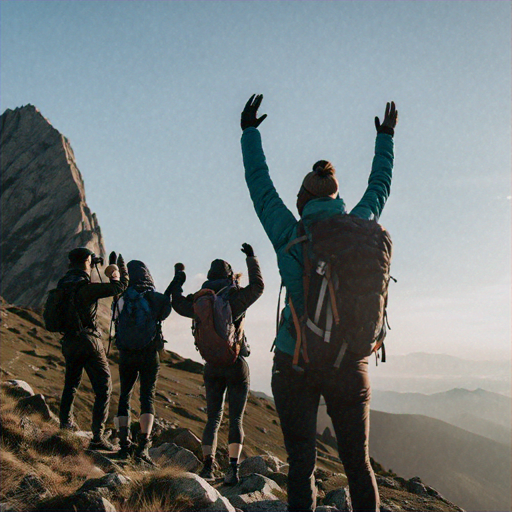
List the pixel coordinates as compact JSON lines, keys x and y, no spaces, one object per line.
{"x":281,"y":225}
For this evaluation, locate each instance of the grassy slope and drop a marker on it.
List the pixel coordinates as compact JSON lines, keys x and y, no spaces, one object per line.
{"x":30,"y":353}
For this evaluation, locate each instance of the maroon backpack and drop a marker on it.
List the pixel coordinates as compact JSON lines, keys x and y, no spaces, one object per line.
{"x":346,"y":275}
{"x":215,"y":334}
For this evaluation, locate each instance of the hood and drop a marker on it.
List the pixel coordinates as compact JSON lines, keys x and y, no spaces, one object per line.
{"x":322,"y":208}
{"x":140,"y":278}
{"x":220,"y":269}
{"x":217,"y":284}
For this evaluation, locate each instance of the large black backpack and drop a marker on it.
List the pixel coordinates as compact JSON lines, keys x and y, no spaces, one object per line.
{"x":346,"y":275}
{"x":60,"y":310}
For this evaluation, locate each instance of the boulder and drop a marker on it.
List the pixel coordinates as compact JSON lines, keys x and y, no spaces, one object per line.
{"x":18,"y":388}
{"x":254,"y":499}
{"x":266,"y":506}
{"x":203,"y":495}
{"x":415,"y":486}
{"x":261,"y":464}
{"x":339,"y":498}
{"x":170,"y":454}
{"x":37,"y":404}
{"x":251,"y":489}
{"x":187,"y":439}
{"x":109,"y":483}
{"x":279,"y":478}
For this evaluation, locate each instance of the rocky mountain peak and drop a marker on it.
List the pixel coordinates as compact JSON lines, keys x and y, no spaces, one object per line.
{"x":44,"y":210}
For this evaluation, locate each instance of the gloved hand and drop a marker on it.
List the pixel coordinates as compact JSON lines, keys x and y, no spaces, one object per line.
{"x":179,"y":274}
{"x":248,"y":250}
{"x":250,"y":112}
{"x":122,"y":265}
{"x":112,"y":271}
{"x":390,"y":120}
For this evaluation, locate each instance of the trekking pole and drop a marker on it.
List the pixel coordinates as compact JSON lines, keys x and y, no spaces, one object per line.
{"x":97,"y":270}
{"x":114,"y":307}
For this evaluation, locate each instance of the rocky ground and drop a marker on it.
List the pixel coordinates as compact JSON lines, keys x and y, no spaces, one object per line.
{"x":44,"y":469}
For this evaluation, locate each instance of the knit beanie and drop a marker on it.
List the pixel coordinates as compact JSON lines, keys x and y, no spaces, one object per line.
{"x":321,"y":181}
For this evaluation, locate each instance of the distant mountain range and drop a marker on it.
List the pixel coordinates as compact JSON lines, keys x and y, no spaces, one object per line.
{"x":434,"y":373}
{"x":479,"y":411}
{"x":471,"y":470}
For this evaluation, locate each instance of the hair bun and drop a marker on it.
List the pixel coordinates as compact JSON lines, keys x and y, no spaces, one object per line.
{"x":324,"y":168}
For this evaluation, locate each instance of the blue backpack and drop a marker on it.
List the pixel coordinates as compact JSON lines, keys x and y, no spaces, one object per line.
{"x":136,"y":326}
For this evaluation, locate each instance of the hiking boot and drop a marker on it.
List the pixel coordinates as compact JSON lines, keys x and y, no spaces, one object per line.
{"x":125,"y":443}
{"x":231,"y":476}
{"x":207,"y":473}
{"x":141,"y":453}
{"x":100,"y":443}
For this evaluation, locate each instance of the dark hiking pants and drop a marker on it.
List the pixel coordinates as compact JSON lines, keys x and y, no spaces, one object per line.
{"x":347,"y":394}
{"x":86,"y":352}
{"x":144,"y":364}
{"x":234,"y":379}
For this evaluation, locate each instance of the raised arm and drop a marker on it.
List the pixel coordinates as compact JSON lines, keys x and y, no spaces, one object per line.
{"x":245,"y":297}
{"x":276,"y":218}
{"x":379,"y":183}
{"x":184,"y":306}
{"x":118,"y":275}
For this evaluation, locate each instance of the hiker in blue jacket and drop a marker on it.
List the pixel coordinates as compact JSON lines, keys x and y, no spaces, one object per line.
{"x":139,"y":347}
{"x":346,"y":389}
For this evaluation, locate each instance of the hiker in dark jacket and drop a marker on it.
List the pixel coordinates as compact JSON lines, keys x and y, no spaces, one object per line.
{"x":346,"y":389}
{"x":234,"y":379}
{"x":141,"y":363}
{"x":82,"y":347}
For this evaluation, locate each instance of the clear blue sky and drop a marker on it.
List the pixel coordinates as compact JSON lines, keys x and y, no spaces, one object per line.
{"x":149,"y":94}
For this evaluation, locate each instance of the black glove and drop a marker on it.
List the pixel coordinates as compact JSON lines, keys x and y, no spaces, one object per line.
{"x":112,"y":259}
{"x":179,"y":274}
{"x":390,"y":120}
{"x":121,"y":264}
{"x":250,"y":112}
{"x":248,"y":250}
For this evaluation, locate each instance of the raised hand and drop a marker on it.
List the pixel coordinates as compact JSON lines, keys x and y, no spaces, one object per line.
{"x":112,"y":259}
{"x":179,"y":274}
{"x":249,"y":115}
{"x":248,"y":250}
{"x":390,"y":120}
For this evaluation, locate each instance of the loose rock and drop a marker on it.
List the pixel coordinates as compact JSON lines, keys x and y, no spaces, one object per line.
{"x":170,"y":454}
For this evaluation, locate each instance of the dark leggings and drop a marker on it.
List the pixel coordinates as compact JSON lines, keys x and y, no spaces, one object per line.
{"x":347,"y":395}
{"x":86,"y":352}
{"x":234,"y":379}
{"x":144,"y":364}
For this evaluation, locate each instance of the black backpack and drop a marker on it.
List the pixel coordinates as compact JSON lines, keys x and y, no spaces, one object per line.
{"x":60,"y":311}
{"x":346,"y":275}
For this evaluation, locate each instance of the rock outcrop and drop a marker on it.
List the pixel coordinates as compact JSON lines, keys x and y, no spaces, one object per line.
{"x":44,"y":211}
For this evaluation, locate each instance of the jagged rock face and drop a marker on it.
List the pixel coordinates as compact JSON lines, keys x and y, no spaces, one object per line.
{"x":44,"y":212}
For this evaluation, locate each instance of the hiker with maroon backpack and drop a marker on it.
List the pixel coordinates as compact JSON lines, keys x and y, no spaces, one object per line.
{"x":138,"y":316}
{"x":335,"y":267}
{"x":218,"y":312}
